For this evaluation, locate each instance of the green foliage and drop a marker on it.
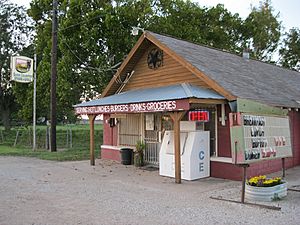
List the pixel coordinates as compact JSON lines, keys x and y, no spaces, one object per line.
{"x":89,"y":49}
{"x":140,"y":146}
{"x":79,"y":150}
{"x":68,"y":136}
{"x":94,"y":38}
{"x":290,"y":51}
{"x":139,"y":153}
{"x":223,"y":29}
{"x":66,"y":155}
{"x":179,"y":19}
{"x":15,"y":33}
{"x":215,"y":27}
{"x":262,"y":31}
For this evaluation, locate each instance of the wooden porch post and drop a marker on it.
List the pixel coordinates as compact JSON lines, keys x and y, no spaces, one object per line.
{"x":176,"y":117}
{"x":92,"y":141}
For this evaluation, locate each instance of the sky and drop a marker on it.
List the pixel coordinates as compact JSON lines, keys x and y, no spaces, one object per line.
{"x":288,"y":9}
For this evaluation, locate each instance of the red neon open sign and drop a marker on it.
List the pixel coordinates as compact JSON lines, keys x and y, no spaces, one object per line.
{"x":199,"y":115}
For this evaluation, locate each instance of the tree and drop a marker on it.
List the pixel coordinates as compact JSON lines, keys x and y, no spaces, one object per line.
{"x":290,"y":51}
{"x":222,"y":29}
{"x":23,"y":93}
{"x":94,"y":38}
{"x":181,"y":19}
{"x":15,"y":30}
{"x":215,"y":26}
{"x":262,"y":31}
{"x":89,"y":47}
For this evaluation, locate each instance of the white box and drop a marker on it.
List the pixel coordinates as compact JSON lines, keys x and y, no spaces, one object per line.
{"x":195,"y":157}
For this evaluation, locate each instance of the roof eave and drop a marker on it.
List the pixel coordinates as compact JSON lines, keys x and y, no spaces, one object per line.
{"x":123,"y":65}
{"x":211,"y":83}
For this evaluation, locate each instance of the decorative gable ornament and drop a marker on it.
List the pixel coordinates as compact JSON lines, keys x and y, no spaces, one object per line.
{"x":155,"y":58}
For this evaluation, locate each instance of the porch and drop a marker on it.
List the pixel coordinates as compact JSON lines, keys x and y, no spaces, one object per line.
{"x":147,"y":114}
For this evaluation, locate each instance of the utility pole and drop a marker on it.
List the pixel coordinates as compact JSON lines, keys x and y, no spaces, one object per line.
{"x":53,"y":77}
{"x":34,"y":103}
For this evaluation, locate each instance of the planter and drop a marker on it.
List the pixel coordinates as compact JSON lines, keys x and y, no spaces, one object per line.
{"x":266,"y":193}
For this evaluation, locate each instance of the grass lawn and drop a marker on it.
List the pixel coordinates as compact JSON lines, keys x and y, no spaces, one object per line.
{"x":80,"y":142}
{"x":65,"y":155}
{"x":72,"y":126}
{"x":60,"y":127}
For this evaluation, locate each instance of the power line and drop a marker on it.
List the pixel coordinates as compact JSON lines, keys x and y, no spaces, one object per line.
{"x":112,"y":68}
{"x":76,"y":24}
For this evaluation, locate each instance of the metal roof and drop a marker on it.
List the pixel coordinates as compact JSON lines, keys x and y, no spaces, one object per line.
{"x":244,"y":78}
{"x":174,"y":92}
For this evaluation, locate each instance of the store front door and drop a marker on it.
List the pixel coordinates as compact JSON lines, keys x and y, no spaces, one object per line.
{"x":152,"y":138}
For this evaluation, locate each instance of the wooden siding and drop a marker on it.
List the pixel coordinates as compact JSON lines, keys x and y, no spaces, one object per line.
{"x":170,"y":73}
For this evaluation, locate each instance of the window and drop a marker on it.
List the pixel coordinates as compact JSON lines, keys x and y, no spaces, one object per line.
{"x":129,"y":130}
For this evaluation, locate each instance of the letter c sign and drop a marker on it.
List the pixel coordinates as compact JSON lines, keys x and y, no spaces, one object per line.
{"x":201,"y":155}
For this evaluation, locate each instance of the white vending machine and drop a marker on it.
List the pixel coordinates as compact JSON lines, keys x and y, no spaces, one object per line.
{"x":194,"y":151}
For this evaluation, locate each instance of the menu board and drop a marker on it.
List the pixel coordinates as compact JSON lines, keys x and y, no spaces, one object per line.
{"x":256,"y":137}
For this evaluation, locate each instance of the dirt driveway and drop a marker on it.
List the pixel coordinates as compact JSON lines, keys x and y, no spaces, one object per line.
{"x":42,"y":192}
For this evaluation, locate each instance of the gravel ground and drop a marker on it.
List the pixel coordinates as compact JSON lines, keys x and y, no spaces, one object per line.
{"x":42,"y":192}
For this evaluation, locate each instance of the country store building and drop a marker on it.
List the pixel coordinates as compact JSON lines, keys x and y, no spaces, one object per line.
{"x":200,"y":110}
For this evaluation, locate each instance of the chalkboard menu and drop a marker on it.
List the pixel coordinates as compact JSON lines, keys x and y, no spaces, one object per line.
{"x":258,"y":137}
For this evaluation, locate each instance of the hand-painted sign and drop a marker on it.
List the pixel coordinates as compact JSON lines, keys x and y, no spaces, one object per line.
{"x":159,"y":106}
{"x":21,"y":69}
{"x":256,"y":137}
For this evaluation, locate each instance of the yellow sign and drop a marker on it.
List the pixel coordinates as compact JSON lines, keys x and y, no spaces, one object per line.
{"x":21,"y":69}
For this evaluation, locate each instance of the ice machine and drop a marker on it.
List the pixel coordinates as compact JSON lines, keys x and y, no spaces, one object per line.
{"x":194,"y":151}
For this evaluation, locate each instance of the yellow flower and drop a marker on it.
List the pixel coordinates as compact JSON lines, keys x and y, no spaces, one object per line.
{"x":263,"y":181}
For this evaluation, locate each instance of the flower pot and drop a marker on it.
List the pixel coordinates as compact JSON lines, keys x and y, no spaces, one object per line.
{"x":266,"y":193}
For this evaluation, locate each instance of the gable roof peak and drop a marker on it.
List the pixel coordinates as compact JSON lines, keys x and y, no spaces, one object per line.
{"x":248,"y":79}
{"x":236,"y":54}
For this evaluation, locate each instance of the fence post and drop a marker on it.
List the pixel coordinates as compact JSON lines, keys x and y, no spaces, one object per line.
{"x":2,"y":138}
{"x":67,"y":141}
{"x":16,"y":140}
{"x":47,"y":138}
{"x":71,"y":144}
{"x":30,"y":138}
